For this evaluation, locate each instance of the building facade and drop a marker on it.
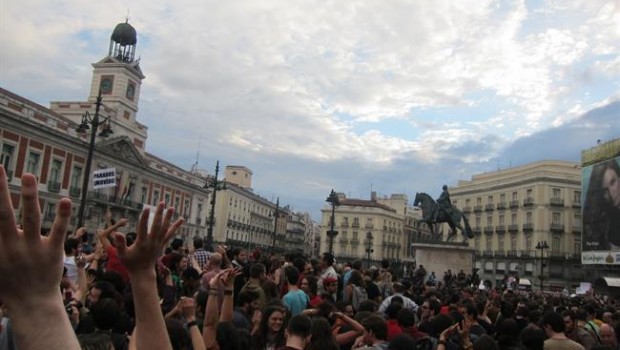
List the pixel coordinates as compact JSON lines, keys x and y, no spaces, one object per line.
{"x":385,"y":226}
{"x":513,"y":212}
{"x":44,"y":141}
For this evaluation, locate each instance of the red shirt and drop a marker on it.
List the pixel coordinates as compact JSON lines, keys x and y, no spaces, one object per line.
{"x":115,"y":264}
{"x":393,"y":329}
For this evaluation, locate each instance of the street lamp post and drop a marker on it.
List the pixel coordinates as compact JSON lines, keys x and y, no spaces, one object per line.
{"x":331,"y":234}
{"x":369,"y":250}
{"x":92,"y":123}
{"x":542,"y":246}
{"x":275,"y":225}
{"x":215,"y":185}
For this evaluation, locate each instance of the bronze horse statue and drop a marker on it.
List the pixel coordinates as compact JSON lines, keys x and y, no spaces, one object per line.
{"x":453,"y":219}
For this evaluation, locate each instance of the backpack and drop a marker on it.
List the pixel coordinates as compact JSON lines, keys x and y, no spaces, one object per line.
{"x":358,"y":296}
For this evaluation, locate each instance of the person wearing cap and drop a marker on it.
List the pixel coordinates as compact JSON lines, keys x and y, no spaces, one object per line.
{"x":399,"y":289}
{"x":330,"y":289}
{"x":327,"y":271}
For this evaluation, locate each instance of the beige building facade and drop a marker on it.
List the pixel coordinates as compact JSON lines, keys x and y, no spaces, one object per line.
{"x":511,"y":211}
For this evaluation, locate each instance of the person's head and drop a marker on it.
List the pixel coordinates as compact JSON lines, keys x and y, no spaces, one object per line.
{"x":305,"y":286}
{"x":345,"y":307}
{"x":312,"y":285}
{"x":106,"y":313}
{"x":553,"y":323}
{"x":327,"y":260}
{"x":248,"y":300}
{"x":405,"y":318}
{"x":190,"y":277}
{"x":608,"y":317}
{"x":609,"y":174}
{"x":385,"y":264}
{"x":402,"y":342}
{"x":100,"y":290}
{"x":357,"y":279}
{"x":368,"y":305}
{"x":199,"y":243}
{"x":533,"y":338}
{"x":71,"y":246}
{"x":299,"y":330}
{"x":392,"y":310}
{"x":376,"y":329}
{"x":430,"y":308}
{"x":357,"y":265}
{"x":330,"y":285}
{"x":272,"y":320}
{"x":570,"y":320}
{"x":258,"y":271}
{"x":321,"y":334}
{"x":130,"y":237}
{"x":239,"y":255}
{"x":292,"y":275}
{"x":444,"y":187}
{"x":608,"y":336}
{"x":215,"y":260}
{"x":176,"y":244}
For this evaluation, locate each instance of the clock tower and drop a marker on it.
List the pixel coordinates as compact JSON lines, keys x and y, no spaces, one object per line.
{"x":119,"y":77}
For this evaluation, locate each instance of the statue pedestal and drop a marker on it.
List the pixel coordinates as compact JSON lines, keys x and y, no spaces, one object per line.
{"x":439,"y":257}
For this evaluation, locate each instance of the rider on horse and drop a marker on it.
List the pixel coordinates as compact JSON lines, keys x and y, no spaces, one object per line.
{"x":443,"y":204}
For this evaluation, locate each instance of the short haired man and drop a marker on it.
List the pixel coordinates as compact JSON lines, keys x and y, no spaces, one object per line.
{"x":375,"y":336}
{"x":258,"y":273}
{"x":71,"y":251}
{"x":554,"y":327}
{"x":295,"y":300}
{"x":297,"y":333}
{"x":248,"y":302}
{"x":327,"y":271}
{"x":576,"y":333}
{"x":608,"y":336}
{"x":200,"y":254}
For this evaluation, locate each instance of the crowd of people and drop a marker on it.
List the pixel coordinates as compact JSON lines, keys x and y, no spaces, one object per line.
{"x":150,"y":290}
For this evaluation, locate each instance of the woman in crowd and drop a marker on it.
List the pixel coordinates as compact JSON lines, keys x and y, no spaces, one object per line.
{"x":270,"y":332}
{"x":602,"y":207}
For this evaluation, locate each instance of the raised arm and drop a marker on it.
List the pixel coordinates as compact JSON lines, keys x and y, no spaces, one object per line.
{"x":211,"y":312}
{"x":140,"y":260}
{"x":31,"y":268}
{"x":226,"y":314}
{"x":104,"y":235}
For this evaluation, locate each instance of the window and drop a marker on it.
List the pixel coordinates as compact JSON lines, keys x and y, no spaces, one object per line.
{"x":467,"y":202}
{"x":528,"y":217}
{"x":50,"y":211}
{"x":513,"y":219}
{"x":577,"y":245}
{"x":143,"y":194}
{"x":577,"y":220}
{"x":32,"y":165}
{"x":502,"y":197}
{"x":354,"y":234}
{"x":479,"y":201}
{"x":490,"y":199}
{"x":556,"y":245}
{"x":500,"y":242}
{"x":76,"y":177}
{"x":556,"y":218}
{"x":478,"y":220}
{"x":155,"y":198}
{"x":167,"y":198}
{"x":501,"y":220}
{"x":489,"y":220}
{"x":477,"y":243}
{"x":528,"y":242}
{"x":489,"y":243}
{"x":557,"y":193}
{"x":186,"y":207}
{"x":529,"y":193}
{"x":515,"y":196}
{"x":6,"y":158}
{"x":577,"y":196}
{"x":55,"y":170}
{"x":513,"y":242}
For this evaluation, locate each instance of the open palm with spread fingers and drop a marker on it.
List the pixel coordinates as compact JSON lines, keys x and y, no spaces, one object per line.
{"x":142,"y":254}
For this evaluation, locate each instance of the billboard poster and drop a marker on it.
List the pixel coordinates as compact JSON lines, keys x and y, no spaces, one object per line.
{"x":103,"y":178}
{"x":601,"y":213}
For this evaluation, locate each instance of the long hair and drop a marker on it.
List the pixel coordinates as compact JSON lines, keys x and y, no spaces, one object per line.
{"x":598,"y":210}
{"x":322,"y":337}
{"x":263,"y":337}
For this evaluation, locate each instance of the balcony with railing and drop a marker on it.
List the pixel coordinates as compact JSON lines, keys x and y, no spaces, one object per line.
{"x":467,"y":209}
{"x":477,"y":208}
{"x":576,"y":228}
{"x":369,"y":226}
{"x":500,"y":229}
{"x":556,"y":202}
{"x":53,"y":186}
{"x":355,"y":241}
{"x":557,"y":228}
{"x":487,"y":253}
{"x":477,"y":230}
{"x":500,"y":253}
{"x":576,"y":204}
{"x":501,"y":206}
{"x":527,"y":227}
{"x":528,"y":202}
{"x":344,"y":224}
{"x":99,"y":198}
{"x":355,"y":225}
{"x":489,"y":207}
{"x":343,"y":241}
{"x":514,"y":204}
{"x":488,"y":229}
{"x":511,"y":253}
{"x":513,"y":228}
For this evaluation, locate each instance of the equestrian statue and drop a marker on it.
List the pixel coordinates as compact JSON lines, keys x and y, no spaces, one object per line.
{"x":434,"y":213}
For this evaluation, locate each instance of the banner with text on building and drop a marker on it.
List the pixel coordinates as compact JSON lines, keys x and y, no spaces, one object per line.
{"x":601,"y":212}
{"x":103,"y":178}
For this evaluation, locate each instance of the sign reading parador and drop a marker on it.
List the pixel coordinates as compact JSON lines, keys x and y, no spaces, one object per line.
{"x":103,"y":178}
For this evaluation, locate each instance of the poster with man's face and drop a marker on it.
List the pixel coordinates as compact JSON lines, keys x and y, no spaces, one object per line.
{"x":601,"y":212}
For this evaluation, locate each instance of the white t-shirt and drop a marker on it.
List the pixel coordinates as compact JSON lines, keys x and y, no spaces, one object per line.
{"x":69,"y":263}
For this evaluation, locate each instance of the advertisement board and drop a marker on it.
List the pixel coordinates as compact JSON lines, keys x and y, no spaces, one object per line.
{"x":601,"y":213}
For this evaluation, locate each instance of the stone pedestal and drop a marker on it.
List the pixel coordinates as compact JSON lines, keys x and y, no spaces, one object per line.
{"x":438,"y":258}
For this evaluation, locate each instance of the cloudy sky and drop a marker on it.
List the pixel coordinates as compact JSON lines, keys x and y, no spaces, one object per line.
{"x":397,"y":96}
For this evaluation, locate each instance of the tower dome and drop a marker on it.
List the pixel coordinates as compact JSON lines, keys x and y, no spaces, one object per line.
{"x":123,"y":42}
{"x":124,"y":34}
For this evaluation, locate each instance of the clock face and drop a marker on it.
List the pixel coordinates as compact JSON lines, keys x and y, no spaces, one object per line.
{"x":106,"y":85}
{"x":131,"y":91}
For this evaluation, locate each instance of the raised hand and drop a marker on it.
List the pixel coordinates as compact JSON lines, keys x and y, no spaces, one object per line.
{"x":142,"y":255}
{"x":30,"y":265}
